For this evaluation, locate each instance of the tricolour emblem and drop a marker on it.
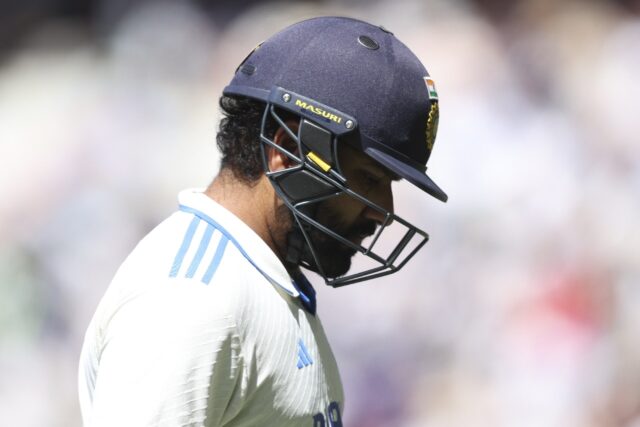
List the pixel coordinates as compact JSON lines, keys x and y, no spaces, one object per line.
{"x":431,"y":87}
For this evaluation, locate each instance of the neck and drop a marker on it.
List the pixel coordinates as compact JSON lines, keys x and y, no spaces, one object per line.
{"x":253,"y":203}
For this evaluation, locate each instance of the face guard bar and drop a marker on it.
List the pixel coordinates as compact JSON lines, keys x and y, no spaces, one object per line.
{"x":316,"y":177}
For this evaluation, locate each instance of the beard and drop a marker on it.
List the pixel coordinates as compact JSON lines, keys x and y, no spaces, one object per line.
{"x":332,"y":255}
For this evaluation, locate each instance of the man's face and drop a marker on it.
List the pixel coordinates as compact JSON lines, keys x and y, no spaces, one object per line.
{"x":346,"y":215}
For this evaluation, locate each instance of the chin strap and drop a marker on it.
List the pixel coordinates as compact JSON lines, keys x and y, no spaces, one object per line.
{"x":296,"y":245}
{"x":299,"y":253}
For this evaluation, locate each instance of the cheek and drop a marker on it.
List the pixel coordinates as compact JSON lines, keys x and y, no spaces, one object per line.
{"x":341,"y":211}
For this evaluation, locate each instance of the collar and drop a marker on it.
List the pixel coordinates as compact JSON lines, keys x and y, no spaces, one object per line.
{"x":252,"y":247}
{"x":307,"y":293}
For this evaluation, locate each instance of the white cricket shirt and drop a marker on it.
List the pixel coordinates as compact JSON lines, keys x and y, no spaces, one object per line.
{"x":203,"y":326}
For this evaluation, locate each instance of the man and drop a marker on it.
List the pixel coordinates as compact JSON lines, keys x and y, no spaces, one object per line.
{"x":210,"y":321}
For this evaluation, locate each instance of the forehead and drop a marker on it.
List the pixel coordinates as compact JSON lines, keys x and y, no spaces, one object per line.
{"x":352,"y":159}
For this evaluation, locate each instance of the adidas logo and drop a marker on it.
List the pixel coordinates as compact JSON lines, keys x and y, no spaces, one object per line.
{"x":304,"y":359}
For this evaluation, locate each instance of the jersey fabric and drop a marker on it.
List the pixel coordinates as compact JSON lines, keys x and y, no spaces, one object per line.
{"x":203,"y":326}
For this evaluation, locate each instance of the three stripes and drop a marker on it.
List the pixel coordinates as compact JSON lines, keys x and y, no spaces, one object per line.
{"x":304,"y":359}
{"x":200,"y":253}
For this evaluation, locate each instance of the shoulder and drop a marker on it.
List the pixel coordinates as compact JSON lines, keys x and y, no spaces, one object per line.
{"x":187,"y":271}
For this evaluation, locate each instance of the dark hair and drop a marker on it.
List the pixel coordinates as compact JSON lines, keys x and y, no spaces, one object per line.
{"x":238,"y":137}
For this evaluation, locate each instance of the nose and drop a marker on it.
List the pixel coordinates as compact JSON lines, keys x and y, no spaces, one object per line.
{"x":384,"y":199}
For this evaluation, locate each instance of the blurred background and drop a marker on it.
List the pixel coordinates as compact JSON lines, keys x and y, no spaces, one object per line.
{"x":522,"y":310}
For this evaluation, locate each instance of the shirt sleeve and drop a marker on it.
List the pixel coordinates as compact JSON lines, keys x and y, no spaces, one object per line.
{"x":170,"y":357}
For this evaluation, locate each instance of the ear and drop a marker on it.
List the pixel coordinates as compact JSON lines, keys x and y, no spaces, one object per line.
{"x":276,"y":159}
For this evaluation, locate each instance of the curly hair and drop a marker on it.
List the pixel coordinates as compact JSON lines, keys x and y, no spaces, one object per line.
{"x":238,"y":138}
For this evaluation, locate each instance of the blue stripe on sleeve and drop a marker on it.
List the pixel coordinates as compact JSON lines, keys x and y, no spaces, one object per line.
{"x":215,"y":262}
{"x":186,"y":242}
{"x":204,"y":243}
{"x":228,"y":235}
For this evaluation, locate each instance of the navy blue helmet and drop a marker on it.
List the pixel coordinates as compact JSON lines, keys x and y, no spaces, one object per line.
{"x":352,"y":83}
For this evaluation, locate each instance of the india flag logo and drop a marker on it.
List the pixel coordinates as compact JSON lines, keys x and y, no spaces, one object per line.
{"x":431,"y":87}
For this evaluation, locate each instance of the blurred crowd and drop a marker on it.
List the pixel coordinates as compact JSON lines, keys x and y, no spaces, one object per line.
{"x":522,"y":310}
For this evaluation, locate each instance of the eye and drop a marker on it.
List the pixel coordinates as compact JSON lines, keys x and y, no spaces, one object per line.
{"x":370,"y":180}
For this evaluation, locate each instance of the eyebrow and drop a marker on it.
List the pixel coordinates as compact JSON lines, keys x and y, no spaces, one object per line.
{"x":385,"y":171}
{"x":394,"y":176}
{"x":388,"y":172}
